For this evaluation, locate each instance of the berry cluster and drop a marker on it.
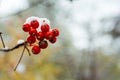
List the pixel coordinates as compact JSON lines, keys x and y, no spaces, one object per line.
{"x":39,"y":33}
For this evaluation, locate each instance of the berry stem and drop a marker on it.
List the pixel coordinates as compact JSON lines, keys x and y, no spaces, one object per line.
{"x":19,"y":59}
{"x":2,"y":39}
{"x":28,"y":50}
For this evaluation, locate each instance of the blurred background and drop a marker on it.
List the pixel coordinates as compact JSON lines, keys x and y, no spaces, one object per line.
{"x":88,"y":47}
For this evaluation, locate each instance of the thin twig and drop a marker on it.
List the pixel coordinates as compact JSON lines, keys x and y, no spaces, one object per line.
{"x":28,"y":51}
{"x":19,"y":59}
{"x":2,"y":39}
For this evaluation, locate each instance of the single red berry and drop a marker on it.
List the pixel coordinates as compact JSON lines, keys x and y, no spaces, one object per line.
{"x":45,"y":27}
{"x":55,"y":32}
{"x":31,"y":39}
{"x":53,"y":40}
{"x":36,"y":50}
{"x":40,"y":36}
{"x":43,"y":44}
{"x":49,"y":35}
{"x":33,"y":32}
{"x":34,"y":24}
{"x":26,"y":27}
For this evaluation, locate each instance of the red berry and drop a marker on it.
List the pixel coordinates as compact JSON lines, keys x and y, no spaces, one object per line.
{"x":53,"y":40}
{"x":45,"y":28}
{"x":26,"y":27}
{"x":34,"y":24}
{"x":43,"y":44}
{"x":40,"y":36}
{"x":33,"y":32}
{"x":49,"y":35}
{"x":36,"y":49}
{"x":55,"y":32}
{"x":31,"y":39}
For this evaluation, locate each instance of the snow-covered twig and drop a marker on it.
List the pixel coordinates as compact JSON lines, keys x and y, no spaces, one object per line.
{"x":15,"y":47}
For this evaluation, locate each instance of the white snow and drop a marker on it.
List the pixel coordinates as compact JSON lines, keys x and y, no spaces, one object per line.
{"x":44,"y":21}
{"x":6,"y":47}
{"x":41,"y":21}
{"x":20,"y":41}
{"x":29,"y":19}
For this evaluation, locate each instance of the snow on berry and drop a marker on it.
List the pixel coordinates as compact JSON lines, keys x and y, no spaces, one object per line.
{"x":41,"y":22}
{"x":28,"y":20}
{"x":34,"y":24}
{"x":45,"y":27}
{"x":39,"y":33}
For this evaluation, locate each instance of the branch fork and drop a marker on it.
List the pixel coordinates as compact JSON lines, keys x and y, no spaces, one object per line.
{"x":24,"y":44}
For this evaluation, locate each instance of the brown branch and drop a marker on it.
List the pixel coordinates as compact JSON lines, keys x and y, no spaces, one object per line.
{"x":15,"y":47}
{"x":2,"y":39}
